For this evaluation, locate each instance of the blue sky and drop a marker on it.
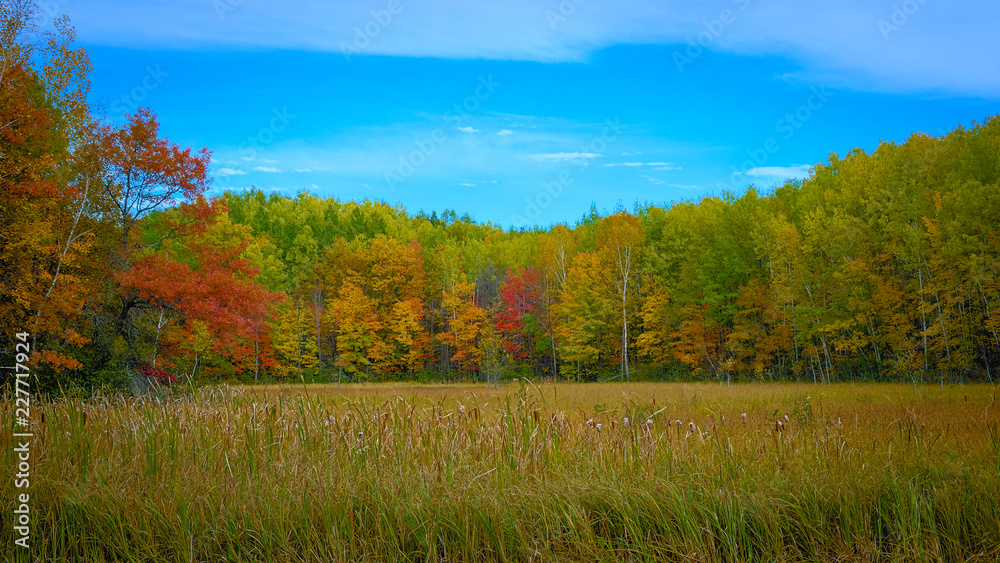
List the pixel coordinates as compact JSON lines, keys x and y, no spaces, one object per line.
{"x":527,"y":112}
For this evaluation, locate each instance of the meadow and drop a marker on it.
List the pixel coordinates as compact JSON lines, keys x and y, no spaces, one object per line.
{"x":522,"y":472}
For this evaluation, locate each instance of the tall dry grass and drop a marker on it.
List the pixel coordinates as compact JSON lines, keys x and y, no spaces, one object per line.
{"x":640,"y":472}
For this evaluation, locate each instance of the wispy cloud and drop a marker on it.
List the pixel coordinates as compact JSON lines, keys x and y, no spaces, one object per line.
{"x":468,"y":129}
{"x":939,"y":46}
{"x":660,"y":166}
{"x":563,"y":156}
{"x":504,"y":132}
{"x":229,"y":172}
{"x":796,"y":171}
{"x":268,"y":169}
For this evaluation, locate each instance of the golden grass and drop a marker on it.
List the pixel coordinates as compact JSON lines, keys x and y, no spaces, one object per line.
{"x":525,"y":472}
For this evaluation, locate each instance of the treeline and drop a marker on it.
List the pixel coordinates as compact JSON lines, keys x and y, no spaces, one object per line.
{"x":879,"y":266}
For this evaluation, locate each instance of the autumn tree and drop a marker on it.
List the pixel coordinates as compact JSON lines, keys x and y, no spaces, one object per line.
{"x":467,"y":325}
{"x":619,"y":242}
{"x":203,"y":294}
{"x":144,"y":172}
{"x":587,"y":309}
{"x":518,"y":319}
{"x":47,"y":222}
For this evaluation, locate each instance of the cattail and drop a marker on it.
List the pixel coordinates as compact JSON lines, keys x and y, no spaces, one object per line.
{"x":598,"y":426}
{"x":778,"y":425}
{"x":744,"y":418}
{"x":691,"y":426}
{"x":625,"y":422}
{"x":590,"y":422}
{"x":786,"y":417}
{"x":649,"y":422}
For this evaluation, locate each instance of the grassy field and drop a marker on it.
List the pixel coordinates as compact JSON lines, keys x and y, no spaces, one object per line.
{"x":564,"y":472}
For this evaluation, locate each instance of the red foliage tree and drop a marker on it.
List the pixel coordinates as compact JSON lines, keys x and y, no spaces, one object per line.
{"x":520,"y":297}
{"x":213,"y":295}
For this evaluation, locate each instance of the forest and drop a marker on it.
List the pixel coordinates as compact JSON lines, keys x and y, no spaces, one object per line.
{"x":881,"y":265}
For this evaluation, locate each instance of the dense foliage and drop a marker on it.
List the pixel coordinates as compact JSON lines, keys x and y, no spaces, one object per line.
{"x":880,"y":265}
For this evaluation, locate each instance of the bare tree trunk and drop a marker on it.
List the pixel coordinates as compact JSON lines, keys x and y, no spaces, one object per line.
{"x":298,"y":337}
{"x":923,"y":314}
{"x":937,"y":298}
{"x":256,"y":355}
{"x":624,"y":268}
{"x":317,"y":307}
{"x":159,"y":329}
{"x":70,"y":239}
{"x":989,"y":314}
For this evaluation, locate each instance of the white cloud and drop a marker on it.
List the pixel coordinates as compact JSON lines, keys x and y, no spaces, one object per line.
{"x":269,"y":169}
{"x":563,"y":156}
{"x":941,"y":46}
{"x":664,"y":166}
{"x":468,"y":129}
{"x":797,"y":171}
{"x":504,"y":132}
{"x":230,"y":172}
{"x":660,"y":166}
{"x":301,"y":170}
{"x":467,"y":184}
